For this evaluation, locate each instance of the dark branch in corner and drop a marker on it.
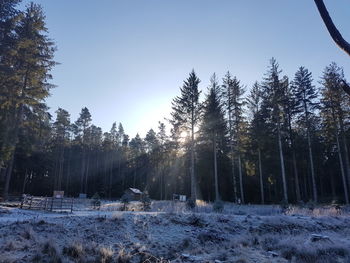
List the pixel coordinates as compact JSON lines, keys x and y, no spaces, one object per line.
{"x":333,"y":31}
{"x":346,"y":87}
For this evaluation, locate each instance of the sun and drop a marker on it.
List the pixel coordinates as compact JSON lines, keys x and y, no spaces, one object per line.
{"x":184,"y":136}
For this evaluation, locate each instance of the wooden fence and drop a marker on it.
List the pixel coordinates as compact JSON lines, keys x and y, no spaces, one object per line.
{"x":47,"y":203}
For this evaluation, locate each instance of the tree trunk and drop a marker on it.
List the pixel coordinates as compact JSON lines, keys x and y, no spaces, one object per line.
{"x":13,"y":149}
{"x":135,"y":171}
{"x":285,"y":193}
{"x":87,"y":171}
{"x":60,"y":168}
{"x":240,"y":178}
{"x":314,"y":188}
{"x":8,"y":176}
{"x":261,"y":178}
{"x":217,"y":197}
{"x":346,"y":152}
{"x":110,"y":176}
{"x":296,"y":177}
{"x":68,"y":169}
{"x":193,"y":179}
{"x":82,"y":172}
{"x":342,"y":169}
{"x":313,"y":179}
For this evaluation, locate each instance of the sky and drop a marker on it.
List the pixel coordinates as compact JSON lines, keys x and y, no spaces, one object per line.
{"x":126,"y":59}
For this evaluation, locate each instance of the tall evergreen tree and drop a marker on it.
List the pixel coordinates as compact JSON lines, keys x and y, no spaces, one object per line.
{"x":305,"y":100}
{"x":213,"y":127}
{"x":335,"y":112}
{"x":233,"y":96}
{"x":30,"y":62}
{"x":82,"y":124}
{"x":185,"y":117}
{"x":273,"y":90}
{"x":61,"y":128}
{"x":254,"y":101}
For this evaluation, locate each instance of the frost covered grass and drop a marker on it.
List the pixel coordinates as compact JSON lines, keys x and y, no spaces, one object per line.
{"x":172,"y":233}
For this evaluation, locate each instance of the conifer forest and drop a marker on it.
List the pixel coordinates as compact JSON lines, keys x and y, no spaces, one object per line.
{"x":187,"y":131}
{"x":284,"y":139}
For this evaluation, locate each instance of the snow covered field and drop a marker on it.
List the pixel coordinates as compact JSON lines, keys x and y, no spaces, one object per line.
{"x":170,"y":233}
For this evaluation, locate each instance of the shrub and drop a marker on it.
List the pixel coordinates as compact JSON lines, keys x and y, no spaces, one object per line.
{"x":190,"y":204}
{"x":218,"y":206}
{"x":106,"y":254}
{"x":146,"y":202}
{"x":75,"y":250}
{"x":195,"y":220}
{"x":28,"y":233}
{"x":126,"y":198}
{"x":96,"y":203}
{"x":123,"y":256}
{"x":50,"y":249}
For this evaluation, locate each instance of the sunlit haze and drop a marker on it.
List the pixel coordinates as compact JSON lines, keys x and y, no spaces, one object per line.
{"x":125,"y":60}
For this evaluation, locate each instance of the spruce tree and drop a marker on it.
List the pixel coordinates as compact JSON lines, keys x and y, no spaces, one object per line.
{"x":335,"y":112}
{"x":233,"y":93}
{"x":185,"y":117}
{"x":30,"y":63}
{"x":254,"y":101}
{"x":81,"y":130}
{"x":272,"y":106}
{"x":305,"y":103}
{"x":213,"y":126}
{"x":61,"y":132}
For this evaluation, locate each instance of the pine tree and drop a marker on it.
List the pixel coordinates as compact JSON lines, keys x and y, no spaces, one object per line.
{"x":335,"y":111}
{"x":233,"y":96}
{"x":81,"y":131}
{"x":254,"y":101}
{"x":305,"y":103}
{"x":61,"y":128}
{"x":273,"y":92}
{"x":213,"y":126}
{"x":136,"y":150}
{"x":185,"y":117}
{"x":30,"y":63}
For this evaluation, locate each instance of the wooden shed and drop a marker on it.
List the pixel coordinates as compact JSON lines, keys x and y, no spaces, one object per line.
{"x":134,"y":193}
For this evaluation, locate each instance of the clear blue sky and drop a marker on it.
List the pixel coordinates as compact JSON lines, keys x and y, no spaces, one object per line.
{"x":125,"y":60}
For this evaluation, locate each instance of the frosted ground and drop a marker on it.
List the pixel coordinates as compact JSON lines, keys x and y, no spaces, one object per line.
{"x":170,"y":233}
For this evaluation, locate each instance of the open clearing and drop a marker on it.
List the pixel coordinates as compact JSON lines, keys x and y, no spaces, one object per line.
{"x":170,"y":233}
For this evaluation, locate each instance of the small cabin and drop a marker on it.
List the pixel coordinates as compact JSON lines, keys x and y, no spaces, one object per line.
{"x":134,"y":193}
{"x":177,"y":197}
{"x":58,"y":194}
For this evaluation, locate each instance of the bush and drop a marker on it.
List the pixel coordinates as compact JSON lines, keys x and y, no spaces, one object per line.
{"x":75,"y":250}
{"x":146,"y":202}
{"x":311,"y":205}
{"x":126,"y":198}
{"x":96,"y":203}
{"x":51,"y":250}
{"x":106,"y":254}
{"x":190,"y":203}
{"x":218,"y":206}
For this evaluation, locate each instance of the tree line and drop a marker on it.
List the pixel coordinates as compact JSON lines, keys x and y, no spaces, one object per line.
{"x":282,"y":140}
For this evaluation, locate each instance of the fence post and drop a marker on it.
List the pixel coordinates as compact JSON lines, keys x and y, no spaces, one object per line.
{"x":30,"y":203}
{"x":51,"y":204}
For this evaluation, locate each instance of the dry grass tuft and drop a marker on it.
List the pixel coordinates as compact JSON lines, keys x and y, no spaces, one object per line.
{"x":28,"y":233}
{"x":106,"y":254}
{"x":51,"y":250}
{"x":74,"y":250}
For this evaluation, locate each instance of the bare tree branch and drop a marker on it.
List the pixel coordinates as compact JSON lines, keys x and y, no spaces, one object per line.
{"x":333,"y":31}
